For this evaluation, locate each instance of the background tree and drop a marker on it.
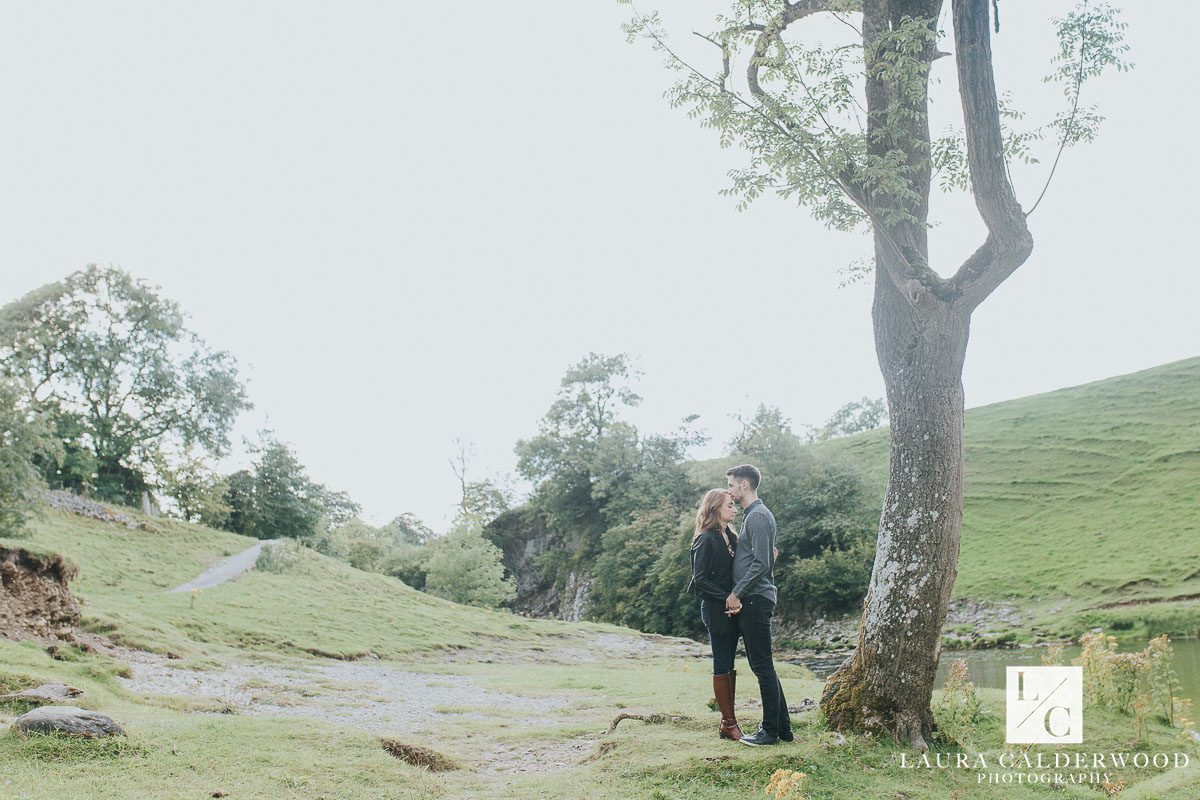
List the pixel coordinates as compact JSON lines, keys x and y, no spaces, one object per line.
{"x":865,"y":157}
{"x":593,"y":470}
{"x":483,"y":500}
{"x":465,"y":568}
{"x":278,"y":498}
{"x":583,"y":450}
{"x":855,"y":417}
{"x":120,"y":377}
{"x":411,"y":530}
{"x":200,"y":494}
{"x":826,"y":511}
{"x":24,"y":437}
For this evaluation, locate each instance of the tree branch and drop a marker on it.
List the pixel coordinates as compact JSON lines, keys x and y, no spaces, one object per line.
{"x":1009,"y":242}
{"x":788,"y":132}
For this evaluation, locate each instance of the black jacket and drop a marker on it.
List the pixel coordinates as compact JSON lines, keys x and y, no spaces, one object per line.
{"x":712,"y":567}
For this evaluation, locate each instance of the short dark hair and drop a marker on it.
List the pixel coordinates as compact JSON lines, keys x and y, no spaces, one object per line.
{"x":745,"y":472}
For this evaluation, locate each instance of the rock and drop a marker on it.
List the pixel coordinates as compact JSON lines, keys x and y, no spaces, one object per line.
{"x":84,"y":507}
{"x":807,"y":704}
{"x":48,"y":692}
{"x":1195,"y":736}
{"x":69,"y":720}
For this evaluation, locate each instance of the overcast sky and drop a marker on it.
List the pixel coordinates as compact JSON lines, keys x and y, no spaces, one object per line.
{"x":407,"y":220}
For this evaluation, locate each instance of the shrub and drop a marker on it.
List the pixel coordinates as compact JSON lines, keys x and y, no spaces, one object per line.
{"x":836,"y":580}
{"x":466,"y":568}
{"x":278,"y":557}
{"x":959,"y":708}
{"x":1142,"y":683}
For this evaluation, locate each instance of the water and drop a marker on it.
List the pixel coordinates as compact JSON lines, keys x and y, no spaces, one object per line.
{"x":986,"y":667}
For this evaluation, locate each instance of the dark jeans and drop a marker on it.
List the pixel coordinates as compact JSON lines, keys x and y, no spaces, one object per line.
{"x":755,"y":624}
{"x":723,"y":646}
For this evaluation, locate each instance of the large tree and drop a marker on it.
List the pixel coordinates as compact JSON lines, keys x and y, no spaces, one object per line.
{"x":843,"y":128}
{"x":113,"y":365}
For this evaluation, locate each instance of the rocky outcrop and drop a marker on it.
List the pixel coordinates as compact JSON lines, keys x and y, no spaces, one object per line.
{"x":85,"y":507}
{"x":68,"y":720}
{"x":527,"y":543}
{"x":34,"y":599}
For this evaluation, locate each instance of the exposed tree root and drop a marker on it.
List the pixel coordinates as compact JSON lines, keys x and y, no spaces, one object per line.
{"x":649,"y":719}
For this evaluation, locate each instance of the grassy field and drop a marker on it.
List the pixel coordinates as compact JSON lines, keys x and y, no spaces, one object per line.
{"x":183,"y":748}
{"x":1082,"y":505}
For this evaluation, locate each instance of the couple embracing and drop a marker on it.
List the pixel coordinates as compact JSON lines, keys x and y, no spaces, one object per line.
{"x":734,"y":576}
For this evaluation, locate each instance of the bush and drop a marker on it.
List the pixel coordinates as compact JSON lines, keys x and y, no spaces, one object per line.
{"x":465,"y":568}
{"x":642,"y":573}
{"x":836,"y":580}
{"x":959,"y":708}
{"x":278,"y":557}
{"x":410,"y":564}
{"x":1142,"y":683}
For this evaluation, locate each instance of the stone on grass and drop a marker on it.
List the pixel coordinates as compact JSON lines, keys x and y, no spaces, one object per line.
{"x":47,"y":693}
{"x":68,"y":720}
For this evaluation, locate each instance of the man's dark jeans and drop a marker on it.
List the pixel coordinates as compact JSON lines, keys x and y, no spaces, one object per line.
{"x":755,"y":623}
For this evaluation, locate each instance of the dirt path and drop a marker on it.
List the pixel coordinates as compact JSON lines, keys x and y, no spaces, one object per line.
{"x":373,"y":695}
{"x":384,"y":698}
{"x":225,"y":570}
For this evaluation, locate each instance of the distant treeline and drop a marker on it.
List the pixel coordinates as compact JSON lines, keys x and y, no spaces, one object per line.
{"x":104,"y":391}
{"x":622,"y":504}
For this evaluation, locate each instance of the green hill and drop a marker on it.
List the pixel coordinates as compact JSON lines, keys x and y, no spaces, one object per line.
{"x":526,"y":702}
{"x":1082,"y":504}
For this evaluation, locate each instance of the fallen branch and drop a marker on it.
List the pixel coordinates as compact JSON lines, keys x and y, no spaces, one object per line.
{"x":649,"y":719}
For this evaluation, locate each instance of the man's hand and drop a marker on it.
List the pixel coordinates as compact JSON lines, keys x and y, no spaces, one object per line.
{"x":776,"y":558}
{"x":733,"y":604}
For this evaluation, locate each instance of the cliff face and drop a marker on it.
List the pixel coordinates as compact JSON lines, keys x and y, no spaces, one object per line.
{"x":34,"y":599}
{"x":528,"y":545}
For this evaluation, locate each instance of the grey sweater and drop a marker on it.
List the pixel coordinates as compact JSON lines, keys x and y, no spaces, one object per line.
{"x":754,"y":561}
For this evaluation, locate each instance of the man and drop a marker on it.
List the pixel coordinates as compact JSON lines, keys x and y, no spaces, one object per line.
{"x":753,"y":601}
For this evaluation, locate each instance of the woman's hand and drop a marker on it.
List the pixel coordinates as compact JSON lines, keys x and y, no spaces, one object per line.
{"x":733,"y":605}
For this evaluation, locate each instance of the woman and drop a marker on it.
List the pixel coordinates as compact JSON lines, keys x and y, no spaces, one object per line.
{"x":713,"y":546}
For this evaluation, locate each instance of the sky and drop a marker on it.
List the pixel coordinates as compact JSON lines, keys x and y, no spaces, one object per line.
{"x":406,"y":221}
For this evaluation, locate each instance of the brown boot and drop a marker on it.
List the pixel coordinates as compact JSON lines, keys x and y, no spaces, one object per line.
{"x":723,"y":690}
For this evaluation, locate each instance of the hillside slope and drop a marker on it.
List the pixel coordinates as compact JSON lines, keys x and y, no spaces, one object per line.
{"x":1082,"y":498}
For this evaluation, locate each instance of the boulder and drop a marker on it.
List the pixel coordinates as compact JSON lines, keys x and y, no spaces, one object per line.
{"x":47,"y":693}
{"x":68,"y":720}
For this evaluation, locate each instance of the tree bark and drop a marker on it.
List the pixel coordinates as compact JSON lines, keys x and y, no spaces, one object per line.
{"x":922,"y":323}
{"x":887,"y":683}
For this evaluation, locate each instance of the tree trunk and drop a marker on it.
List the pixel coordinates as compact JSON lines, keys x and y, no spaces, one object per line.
{"x":886,"y":685}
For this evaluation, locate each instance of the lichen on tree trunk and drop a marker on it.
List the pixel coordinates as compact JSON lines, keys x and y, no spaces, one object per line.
{"x":921,"y":323}
{"x":886,"y":685}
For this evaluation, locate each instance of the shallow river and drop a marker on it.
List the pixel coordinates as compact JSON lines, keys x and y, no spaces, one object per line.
{"x":986,"y":667}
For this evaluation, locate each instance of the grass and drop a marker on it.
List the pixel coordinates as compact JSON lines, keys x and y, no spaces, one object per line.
{"x":1076,"y":499}
{"x":1124,"y":466}
{"x":315,"y":608}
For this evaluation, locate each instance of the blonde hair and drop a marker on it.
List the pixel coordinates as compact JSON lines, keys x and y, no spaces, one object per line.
{"x":708,"y":515}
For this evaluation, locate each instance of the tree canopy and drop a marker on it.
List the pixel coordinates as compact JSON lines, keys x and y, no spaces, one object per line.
{"x":120,"y":376}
